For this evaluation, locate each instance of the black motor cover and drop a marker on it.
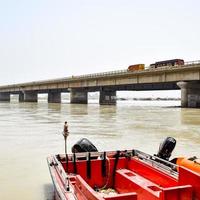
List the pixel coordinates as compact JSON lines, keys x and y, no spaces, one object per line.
{"x":166,"y":148}
{"x":83,"y":145}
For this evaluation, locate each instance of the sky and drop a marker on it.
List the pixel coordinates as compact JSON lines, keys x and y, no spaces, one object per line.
{"x":47,"y":39}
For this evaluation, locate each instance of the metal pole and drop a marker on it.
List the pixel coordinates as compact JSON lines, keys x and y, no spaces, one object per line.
{"x":66,"y":157}
{"x":65,"y":144}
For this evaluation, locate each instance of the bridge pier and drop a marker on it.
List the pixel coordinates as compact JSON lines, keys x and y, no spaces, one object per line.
{"x":30,"y":96}
{"x":4,"y":96}
{"x":78,"y":96}
{"x":54,"y":97}
{"x":21,"y":97}
{"x":190,"y":94}
{"x":107,"y":97}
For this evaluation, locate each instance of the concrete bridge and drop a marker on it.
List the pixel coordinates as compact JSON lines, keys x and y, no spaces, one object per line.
{"x":186,"y":78}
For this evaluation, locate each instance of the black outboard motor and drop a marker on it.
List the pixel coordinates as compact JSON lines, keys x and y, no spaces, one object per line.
{"x":83,"y":145}
{"x":166,"y":148}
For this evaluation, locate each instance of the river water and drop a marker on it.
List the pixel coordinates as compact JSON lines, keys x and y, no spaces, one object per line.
{"x":31,"y":131}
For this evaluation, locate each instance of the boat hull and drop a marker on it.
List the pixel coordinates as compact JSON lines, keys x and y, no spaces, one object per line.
{"x":130,"y":174}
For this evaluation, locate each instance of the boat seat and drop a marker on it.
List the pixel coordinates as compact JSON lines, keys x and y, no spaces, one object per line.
{"x":127,"y":180}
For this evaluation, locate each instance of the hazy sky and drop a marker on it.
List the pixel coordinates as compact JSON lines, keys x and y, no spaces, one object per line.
{"x":44,"y":39}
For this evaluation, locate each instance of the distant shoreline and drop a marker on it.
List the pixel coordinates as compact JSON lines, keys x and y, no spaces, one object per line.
{"x":149,"y":99}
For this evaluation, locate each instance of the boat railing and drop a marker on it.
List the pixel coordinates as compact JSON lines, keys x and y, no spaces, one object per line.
{"x":159,"y":163}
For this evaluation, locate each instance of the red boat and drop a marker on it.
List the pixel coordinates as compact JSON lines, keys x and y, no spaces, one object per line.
{"x":121,"y":175}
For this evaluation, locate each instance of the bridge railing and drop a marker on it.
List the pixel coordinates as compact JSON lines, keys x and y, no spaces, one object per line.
{"x":94,"y":75}
{"x":101,"y":74}
{"x":192,"y":62}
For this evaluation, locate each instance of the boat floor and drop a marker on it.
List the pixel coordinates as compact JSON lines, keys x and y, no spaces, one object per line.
{"x":108,"y":192}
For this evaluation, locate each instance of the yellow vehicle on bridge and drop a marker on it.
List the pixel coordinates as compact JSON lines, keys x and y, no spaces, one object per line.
{"x":136,"y":67}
